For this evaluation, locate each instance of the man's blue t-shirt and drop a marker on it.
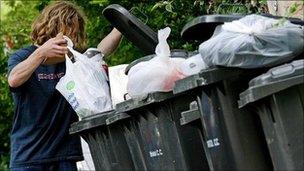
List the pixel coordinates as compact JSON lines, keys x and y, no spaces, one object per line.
{"x":42,"y":117}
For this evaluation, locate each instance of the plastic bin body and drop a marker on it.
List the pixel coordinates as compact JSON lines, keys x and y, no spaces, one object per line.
{"x":232,"y":137}
{"x":107,"y":144}
{"x":155,"y":136}
{"x":278,"y":99}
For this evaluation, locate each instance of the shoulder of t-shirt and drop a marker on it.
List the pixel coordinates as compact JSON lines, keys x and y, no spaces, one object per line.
{"x":24,"y":52}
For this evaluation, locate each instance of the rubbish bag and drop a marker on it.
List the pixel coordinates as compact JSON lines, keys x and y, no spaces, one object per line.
{"x":158,"y":74}
{"x":85,"y":85}
{"x":86,"y":164}
{"x":253,"y":41}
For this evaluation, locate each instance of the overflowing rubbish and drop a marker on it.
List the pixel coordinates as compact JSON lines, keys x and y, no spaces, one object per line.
{"x":158,"y":74}
{"x":253,"y":41}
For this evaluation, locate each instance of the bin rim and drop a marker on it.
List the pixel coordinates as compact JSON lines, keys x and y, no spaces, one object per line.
{"x":151,"y":98}
{"x":90,"y":122}
{"x":207,"y":77}
{"x":276,"y":79}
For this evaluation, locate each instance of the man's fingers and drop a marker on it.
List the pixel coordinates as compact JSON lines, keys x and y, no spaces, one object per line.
{"x":60,"y":41}
{"x":61,"y":48}
{"x":57,"y":54}
{"x":61,"y":53}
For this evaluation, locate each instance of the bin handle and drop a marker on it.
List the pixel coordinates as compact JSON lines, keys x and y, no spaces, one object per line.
{"x":190,"y":115}
{"x":133,"y":9}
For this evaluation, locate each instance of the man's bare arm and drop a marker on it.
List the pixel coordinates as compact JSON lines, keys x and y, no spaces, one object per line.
{"x":109,"y":44}
{"x":23,"y":71}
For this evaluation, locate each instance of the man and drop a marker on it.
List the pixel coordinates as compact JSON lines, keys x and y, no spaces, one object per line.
{"x":40,"y":139}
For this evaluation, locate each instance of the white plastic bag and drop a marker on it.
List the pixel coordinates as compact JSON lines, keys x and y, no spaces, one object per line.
{"x":118,"y":83}
{"x":85,"y":85}
{"x":86,"y":164}
{"x":158,"y":74}
{"x":252,"y":42}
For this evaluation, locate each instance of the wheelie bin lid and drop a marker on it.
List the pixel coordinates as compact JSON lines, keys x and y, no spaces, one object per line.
{"x":132,"y":28}
{"x":201,"y":28}
{"x":90,"y":122}
{"x":275,"y":80}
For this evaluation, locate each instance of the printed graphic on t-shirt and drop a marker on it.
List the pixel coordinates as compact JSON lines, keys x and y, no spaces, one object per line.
{"x":50,"y":76}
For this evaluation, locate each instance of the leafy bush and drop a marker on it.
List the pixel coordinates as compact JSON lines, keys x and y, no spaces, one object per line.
{"x":17,"y":28}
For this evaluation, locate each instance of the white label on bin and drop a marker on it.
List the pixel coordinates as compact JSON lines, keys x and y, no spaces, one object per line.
{"x":156,"y":153}
{"x":213,"y":143}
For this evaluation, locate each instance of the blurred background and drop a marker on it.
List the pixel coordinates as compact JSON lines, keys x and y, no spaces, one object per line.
{"x":17,"y":17}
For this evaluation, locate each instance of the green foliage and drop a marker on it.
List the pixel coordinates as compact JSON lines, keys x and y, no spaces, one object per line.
{"x":16,"y":23}
{"x":4,"y":162}
{"x":292,"y":9}
{"x":18,"y":29}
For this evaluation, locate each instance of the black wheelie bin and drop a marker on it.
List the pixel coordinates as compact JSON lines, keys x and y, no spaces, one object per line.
{"x":233,"y":138}
{"x":155,"y":136}
{"x":107,"y":144}
{"x":277,"y":97}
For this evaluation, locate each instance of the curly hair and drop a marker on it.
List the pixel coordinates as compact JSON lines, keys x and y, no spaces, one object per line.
{"x":57,"y":17}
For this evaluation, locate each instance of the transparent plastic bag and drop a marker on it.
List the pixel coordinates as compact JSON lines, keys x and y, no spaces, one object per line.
{"x":253,"y":41}
{"x":85,"y":85}
{"x":158,"y":74}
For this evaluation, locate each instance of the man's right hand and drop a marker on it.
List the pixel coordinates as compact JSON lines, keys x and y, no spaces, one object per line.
{"x":53,"y":51}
